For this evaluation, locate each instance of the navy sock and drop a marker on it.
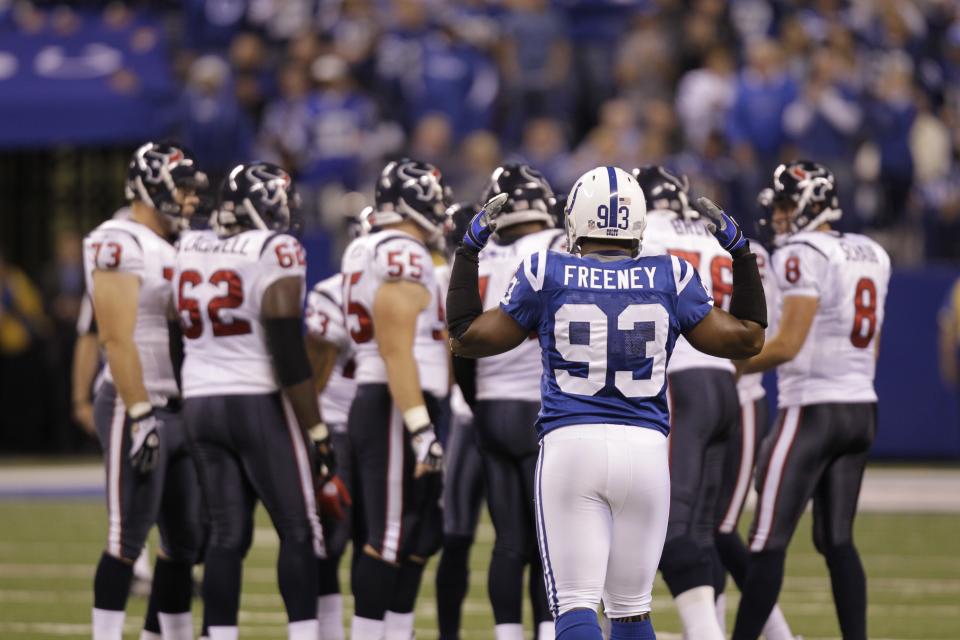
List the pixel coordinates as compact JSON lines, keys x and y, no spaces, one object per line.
{"x":222,"y":575}
{"x":642,"y":630}
{"x":328,"y":580}
{"x":453,"y":582}
{"x":297,"y":578}
{"x":849,"y":590}
{"x":373,"y":587}
{"x":759,"y":594}
{"x":151,"y":621}
{"x":173,"y":584}
{"x":408,"y":585}
{"x":578,"y":624}
{"x":111,"y":584}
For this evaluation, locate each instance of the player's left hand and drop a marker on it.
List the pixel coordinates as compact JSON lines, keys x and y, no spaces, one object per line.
{"x":724,"y":228}
{"x":145,"y":442}
{"x":428,"y":451}
{"x":484,"y":223}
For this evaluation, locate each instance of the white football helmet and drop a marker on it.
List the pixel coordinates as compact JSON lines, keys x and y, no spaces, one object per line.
{"x":606,"y":203}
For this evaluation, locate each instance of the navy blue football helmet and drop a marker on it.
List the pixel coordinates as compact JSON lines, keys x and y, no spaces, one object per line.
{"x":664,"y":190}
{"x":808,"y":189}
{"x":529,"y":196}
{"x":157,"y":170}
{"x":411,"y":190}
{"x":258,"y":195}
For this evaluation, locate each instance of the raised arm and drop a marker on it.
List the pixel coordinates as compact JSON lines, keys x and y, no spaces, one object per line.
{"x":738,"y":334}
{"x":475,"y":333}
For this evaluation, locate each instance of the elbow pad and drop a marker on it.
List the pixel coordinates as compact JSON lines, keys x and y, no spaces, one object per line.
{"x":748,"y":301}
{"x":463,"y":296}
{"x":285,"y":343}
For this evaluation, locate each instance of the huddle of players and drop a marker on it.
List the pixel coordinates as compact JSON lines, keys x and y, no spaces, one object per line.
{"x":377,"y":344}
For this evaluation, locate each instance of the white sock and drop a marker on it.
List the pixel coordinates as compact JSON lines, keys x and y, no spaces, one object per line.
{"x":511,"y":631}
{"x":330,"y":615}
{"x":149,"y":635}
{"x":398,"y":626}
{"x":546,"y":630}
{"x":223,"y":633}
{"x":108,"y":625}
{"x":365,"y":629}
{"x":777,"y":627}
{"x":303,"y":630}
{"x":176,"y":626}
{"x":698,"y":614}
{"x":141,"y":568}
{"x":721,"y":605}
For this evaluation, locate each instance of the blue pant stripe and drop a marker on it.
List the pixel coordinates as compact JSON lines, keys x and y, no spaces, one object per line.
{"x":551,"y":582}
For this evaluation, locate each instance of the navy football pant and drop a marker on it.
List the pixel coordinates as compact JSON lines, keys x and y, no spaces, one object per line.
{"x":816,"y":451}
{"x":509,"y":449}
{"x":704,"y":416}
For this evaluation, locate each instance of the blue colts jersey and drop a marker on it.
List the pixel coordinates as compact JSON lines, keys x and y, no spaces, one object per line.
{"x":607,"y":329}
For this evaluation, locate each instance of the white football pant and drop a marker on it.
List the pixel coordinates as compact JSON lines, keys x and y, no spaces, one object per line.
{"x":602,"y":498}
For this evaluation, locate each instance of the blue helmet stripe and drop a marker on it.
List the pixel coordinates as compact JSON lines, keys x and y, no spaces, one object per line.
{"x":612,"y":175}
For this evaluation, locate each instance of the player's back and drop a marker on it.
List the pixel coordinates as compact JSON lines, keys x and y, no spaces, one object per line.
{"x":324,"y":319}
{"x":849,"y":274}
{"x":607,"y":329}
{"x":219,"y":286}
{"x":130,"y":247}
{"x":515,"y":374}
{"x":368,"y":263}
{"x":691,"y":240}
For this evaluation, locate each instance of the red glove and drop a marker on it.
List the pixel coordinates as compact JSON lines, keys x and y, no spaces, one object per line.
{"x":333,"y":497}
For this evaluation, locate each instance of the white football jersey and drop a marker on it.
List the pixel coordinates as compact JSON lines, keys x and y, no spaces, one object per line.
{"x":368,"y":263}
{"x":849,"y":274}
{"x":219,"y":285}
{"x":750,"y":386}
{"x":324,"y":319}
{"x":691,"y":240}
{"x":130,"y":247}
{"x":514,"y":375}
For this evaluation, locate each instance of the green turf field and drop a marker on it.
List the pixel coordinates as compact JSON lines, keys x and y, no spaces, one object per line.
{"x":48,"y":550}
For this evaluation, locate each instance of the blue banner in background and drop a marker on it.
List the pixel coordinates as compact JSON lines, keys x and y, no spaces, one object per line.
{"x":919,"y":417}
{"x":91,"y":81}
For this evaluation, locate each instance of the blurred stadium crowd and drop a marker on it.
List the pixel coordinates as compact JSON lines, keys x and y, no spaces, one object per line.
{"x":718,"y":90}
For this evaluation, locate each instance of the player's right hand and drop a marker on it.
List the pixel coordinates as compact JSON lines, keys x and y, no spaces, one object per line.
{"x":724,"y":228}
{"x":145,"y":442}
{"x":428,"y":451}
{"x":333,"y":498}
{"x":484,"y":223}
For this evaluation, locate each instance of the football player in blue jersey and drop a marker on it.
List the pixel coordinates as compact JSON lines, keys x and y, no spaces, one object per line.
{"x":607,"y":321}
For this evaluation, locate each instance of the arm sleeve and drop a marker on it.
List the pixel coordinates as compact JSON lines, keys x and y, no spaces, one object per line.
{"x":521,"y":302}
{"x":693,"y":301}
{"x":800,"y":270}
{"x":324,"y":318}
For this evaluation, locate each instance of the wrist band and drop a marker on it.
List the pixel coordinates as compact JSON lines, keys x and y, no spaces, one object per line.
{"x":416,"y":418}
{"x":319,"y":432}
{"x":139,"y":410}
